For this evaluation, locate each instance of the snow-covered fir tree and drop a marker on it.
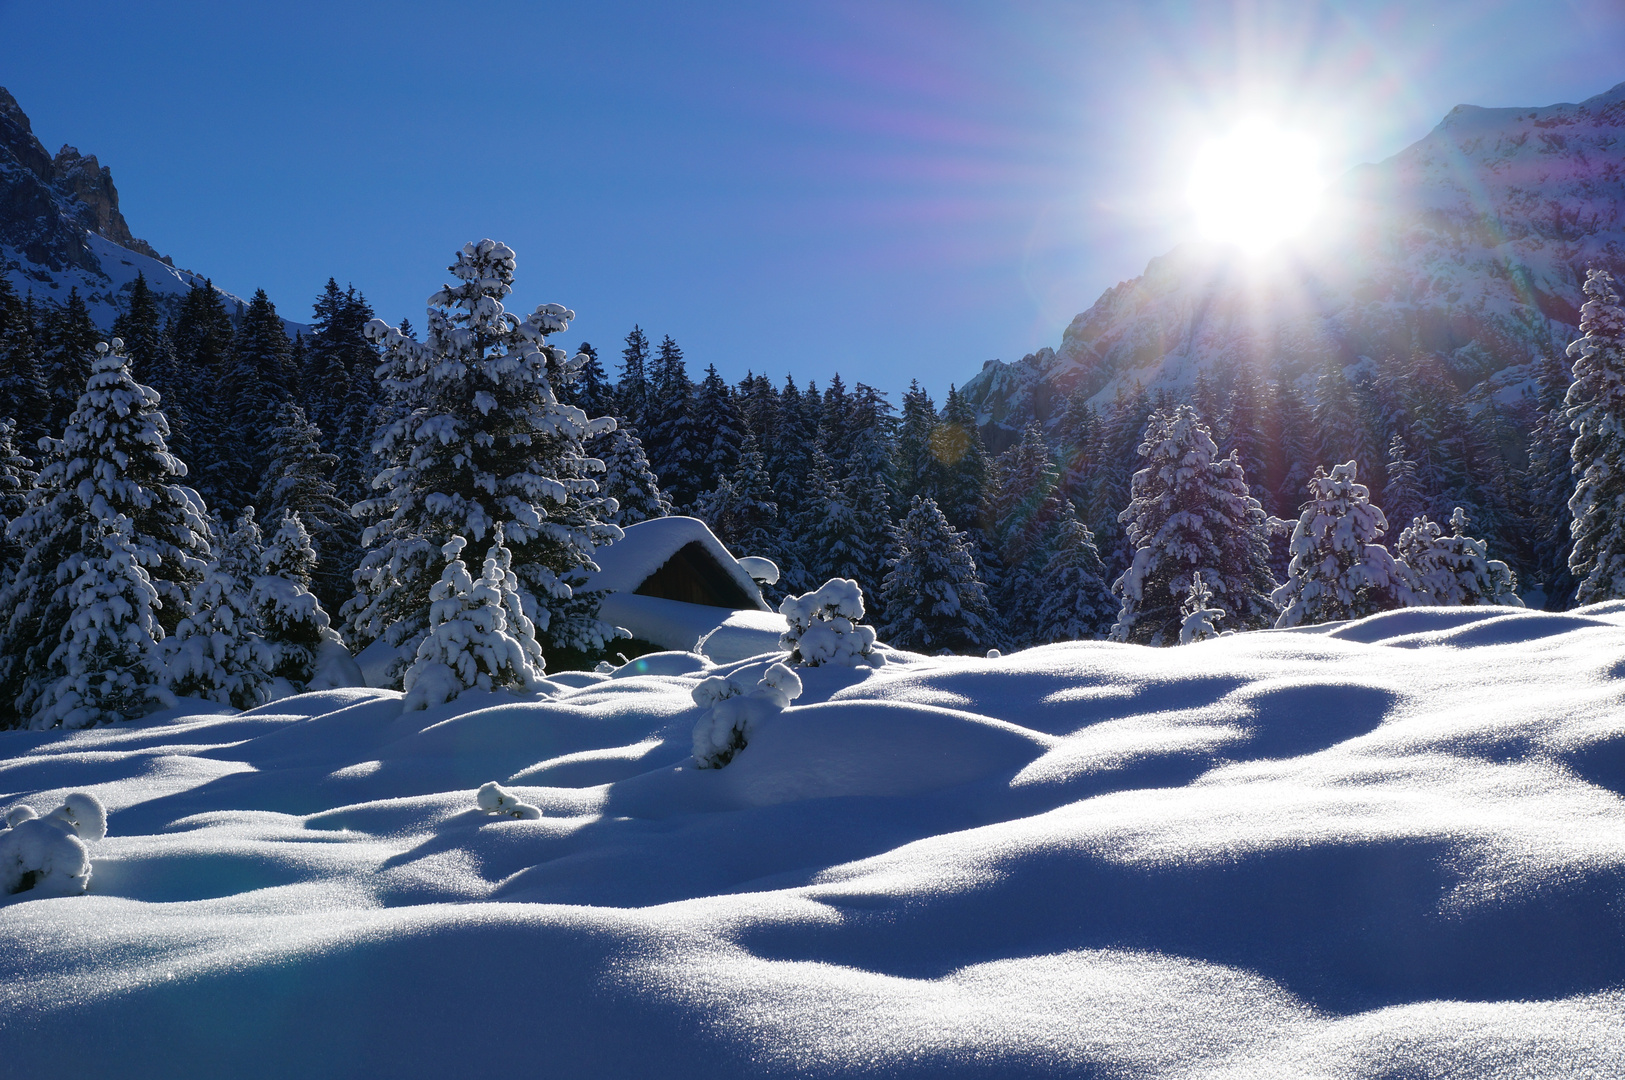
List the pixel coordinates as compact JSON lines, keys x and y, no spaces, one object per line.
{"x":721,"y":431}
{"x":482,"y":440}
{"x":107,"y":664}
{"x":1454,"y":570}
{"x":1551,"y":481}
{"x":627,"y":478}
{"x":17,"y":479}
{"x":1403,"y":495}
{"x":111,"y":463}
{"x":1339,"y":568}
{"x":291,"y":619}
{"x":299,"y":479}
{"x":68,"y":339}
{"x":1076,"y":603}
{"x":741,"y":509}
{"x":1199,"y":619}
{"x":632,"y":392}
{"x":932,"y":597}
{"x":22,"y":384}
{"x":1190,"y":515}
{"x":1596,"y":411}
{"x":470,"y":641}
{"x":673,"y":437}
{"x":217,"y":652}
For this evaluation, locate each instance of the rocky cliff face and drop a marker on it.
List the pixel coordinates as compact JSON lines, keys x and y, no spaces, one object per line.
{"x":1471,"y":244}
{"x":61,"y":227}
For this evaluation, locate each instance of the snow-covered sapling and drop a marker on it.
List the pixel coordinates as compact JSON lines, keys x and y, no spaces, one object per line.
{"x":824,"y":627}
{"x":494,"y":799}
{"x":47,"y":855}
{"x":1198,"y":615}
{"x":474,"y":637}
{"x":734,"y":708}
{"x":1455,"y":570}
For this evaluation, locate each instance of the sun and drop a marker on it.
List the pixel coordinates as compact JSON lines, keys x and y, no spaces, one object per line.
{"x":1256,"y":185}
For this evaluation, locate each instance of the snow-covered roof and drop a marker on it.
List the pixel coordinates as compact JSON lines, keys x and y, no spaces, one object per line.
{"x":721,"y":634}
{"x":629,"y":562}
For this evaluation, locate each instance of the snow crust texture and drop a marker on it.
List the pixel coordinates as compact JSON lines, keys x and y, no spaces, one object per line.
{"x":1380,"y":848}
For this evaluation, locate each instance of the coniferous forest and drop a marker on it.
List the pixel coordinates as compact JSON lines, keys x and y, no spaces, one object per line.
{"x":251,"y":495}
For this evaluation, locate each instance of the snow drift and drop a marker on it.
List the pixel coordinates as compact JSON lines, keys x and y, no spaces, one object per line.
{"x":1392,"y":847}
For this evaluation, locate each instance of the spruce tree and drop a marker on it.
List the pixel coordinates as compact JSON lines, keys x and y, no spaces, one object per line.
{"x":298,"y":478}
{"x":1191,"y":516}
{"x":106,"y":665}
{"x":68,"y":339}
{"x":745,"y":516}
{"x":590,"y":391}
{"x":217,"y":652}
{"x":151,"y":353}
{"x":958,"y":473}
{"x":672,"y":438}
{"x":1198,"y":617}
{"x":627,"y":478}
{"x":17,"y":480}
{"x":23,"y":396}
{"x":632,"y":392}
{"x":914,"y":441}
{"x":1404,"y":499}
{"x":1551,"y":484}
{"x":481,"y":440}
{"x":478,"y":636}
{"x":1596,"y":412}
{"x":1339,"y":569}
{"x":1075,"y":602}
{"x":1454,"y":570}
{"x":290,"y":617}
{"x":932,"y":598}
{"x":714,"y":402}
{"x":107,"y":490}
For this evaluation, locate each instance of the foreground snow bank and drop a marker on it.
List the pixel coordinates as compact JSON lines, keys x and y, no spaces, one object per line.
{"x":1387,"y":848}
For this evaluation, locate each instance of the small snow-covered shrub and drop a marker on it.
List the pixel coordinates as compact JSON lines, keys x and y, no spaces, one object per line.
{"x":824,"y":627}
{"x":734,"y":708}
{"x":1198,"y":615}
{"x":494,"y":799}
{"x":47,"y":855}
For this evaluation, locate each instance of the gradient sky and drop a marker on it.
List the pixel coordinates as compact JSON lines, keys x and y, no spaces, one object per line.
{"x":893,"y":190}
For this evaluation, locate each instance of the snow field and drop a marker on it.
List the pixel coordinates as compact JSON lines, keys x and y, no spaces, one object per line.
{"x":1381,"y":848}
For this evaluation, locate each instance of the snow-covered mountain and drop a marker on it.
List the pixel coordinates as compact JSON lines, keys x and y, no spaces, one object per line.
{"x":61,"y":227}
{"x":1471,"y":244}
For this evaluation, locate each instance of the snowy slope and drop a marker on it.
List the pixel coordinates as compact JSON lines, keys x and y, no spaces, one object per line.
{"x":1473,"y":243}
{"x":1387,"y":848}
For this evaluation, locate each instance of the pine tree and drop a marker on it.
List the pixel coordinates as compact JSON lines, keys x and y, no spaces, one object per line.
{"x":68,"y":339}
{"x":1198,"y":617}
{"x":726,"y":427}
{"x":789,"y":460}
{"x":1191,"y":516}
{"x":476,"y":632}
{"x":1404,"y":496}
{"x":1596,"y":411}
{"x":914,"y":441}
{"x":1551,"y":484}
{"x":1339,"y":417}
{"x":202,"y":334}
{"x":298,"y":479}
{"x":17,"y":480}
{"x":23,"y":396}
{"x":632,"y":392}
{"x":106,"y":665}
{"x":112,"y":465}
{"x":932,"y":598}
{"x":590,"y":391}
{"x":217,"y":652}
{"x":290,"y":617}
{"x":1339,"y":569}
{"x":745,"y":517}
{"x":481,"y":440}
{"x":627,"y":478}
{"x":959,"y":471}
{"x":151,"y":353}
{"x":672,"y":439}
{"x":1455,"y":570}
{"x":1076,"y":604}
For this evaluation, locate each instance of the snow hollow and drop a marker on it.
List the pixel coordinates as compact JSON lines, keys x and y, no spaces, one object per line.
{"x":1392,"y":847}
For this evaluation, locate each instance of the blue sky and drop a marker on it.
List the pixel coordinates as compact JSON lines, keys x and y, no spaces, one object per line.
{"x":892,"y":190}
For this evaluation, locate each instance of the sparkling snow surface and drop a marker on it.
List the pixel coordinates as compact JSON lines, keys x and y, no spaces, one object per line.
{"x":1387,"y":848}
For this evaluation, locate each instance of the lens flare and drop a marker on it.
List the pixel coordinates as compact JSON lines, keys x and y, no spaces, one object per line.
{"x":1255,"y":186}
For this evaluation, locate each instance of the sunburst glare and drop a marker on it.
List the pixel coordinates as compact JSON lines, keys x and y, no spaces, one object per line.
{"x":1256,"y":185}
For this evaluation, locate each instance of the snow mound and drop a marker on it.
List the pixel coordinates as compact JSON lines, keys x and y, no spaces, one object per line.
{"x":1389,"y":847}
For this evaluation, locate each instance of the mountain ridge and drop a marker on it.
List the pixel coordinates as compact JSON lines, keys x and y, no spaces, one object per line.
{"x":1471,"y":243}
